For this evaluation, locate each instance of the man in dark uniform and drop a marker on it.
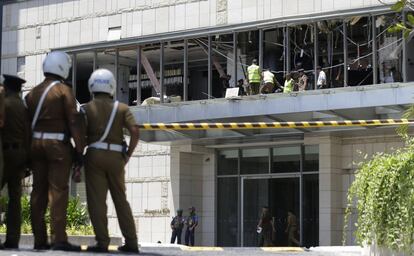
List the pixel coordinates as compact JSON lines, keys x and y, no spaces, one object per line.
{"x":16,"y":145}
{"x":177,"y":225}
{"x":106,"y":159}
{"x":53,"y":122}
{"x":2,"y":95}
{"x":1,"y":144}
{"x":191,"y":223}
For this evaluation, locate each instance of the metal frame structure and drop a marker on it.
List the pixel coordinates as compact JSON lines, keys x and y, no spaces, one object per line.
{"x":315,"y":53}
{"x":228,"y":29}
{"x":139,"y":67}
{"x":261,"y":26}
{"x":374,"y":51}
{"x":185,"y":73}
{"x":345,"y":48}
{"x":162,"y":91}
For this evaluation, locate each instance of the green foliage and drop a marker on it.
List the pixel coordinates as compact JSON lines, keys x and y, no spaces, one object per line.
{"x":383,"y":192}
{"x":85,"y":230}
{"x":25,"y":201}
{"x":399,"y":6}
{"x":77,"y":213}
{"x":406,"y":27}
{"x":3,"y":203}
{"x":77,"y":217}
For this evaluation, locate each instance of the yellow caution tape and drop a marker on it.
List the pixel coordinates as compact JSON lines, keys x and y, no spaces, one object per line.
{"x":273,"y":125}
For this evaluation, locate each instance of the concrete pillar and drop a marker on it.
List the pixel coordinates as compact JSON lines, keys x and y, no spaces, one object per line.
{"x":331,"y":194}
{"x":193,"y":184}
{"x":331,"y":212}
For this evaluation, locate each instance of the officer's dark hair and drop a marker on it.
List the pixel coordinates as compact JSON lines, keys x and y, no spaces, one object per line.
{"x":254,"y":61}
{"x":10,"y":87}
{"x":103,"y":93}
{"x":46,"y":74}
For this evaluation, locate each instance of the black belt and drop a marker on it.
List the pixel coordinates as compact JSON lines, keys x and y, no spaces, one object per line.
{"x":9,"y":146}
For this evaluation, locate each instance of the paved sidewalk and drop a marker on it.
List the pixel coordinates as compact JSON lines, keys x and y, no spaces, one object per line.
{"x":157,"y":250}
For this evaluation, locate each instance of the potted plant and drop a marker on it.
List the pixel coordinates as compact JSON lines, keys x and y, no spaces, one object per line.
{"x":383,"y":194}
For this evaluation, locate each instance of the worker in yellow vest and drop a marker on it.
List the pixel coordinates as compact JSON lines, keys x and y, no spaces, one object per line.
{"x":289,"y":84}
{"x":268,"y":82}
{"x":254,"y":77}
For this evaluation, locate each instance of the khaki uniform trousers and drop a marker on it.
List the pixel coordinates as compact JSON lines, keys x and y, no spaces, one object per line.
{"x":1,"y":160}
{"x":51,"y":162}
{"x":14,"y":167}
{"x":255,"y":88}
{"x":267,"y":88}
{"x":104,"y":170}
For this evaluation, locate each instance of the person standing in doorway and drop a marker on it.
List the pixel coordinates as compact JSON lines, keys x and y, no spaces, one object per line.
{"x":254,"y":77}
{"x":55,"y":119}
{"x":292,"y":229}
{"x":302,"y":80}
{"x":106,"y":159}
{"x":177,"y":225}
{"x":265,"y":228}
{"x":321,"y":83}
{"x":191,"y":223}
{"x":16,"y":147}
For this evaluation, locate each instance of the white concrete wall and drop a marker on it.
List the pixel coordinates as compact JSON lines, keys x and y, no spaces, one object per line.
{"x":252,"y":10}
{"x":193,"y":184}
{"x":161,"y":179}
{"x":338,"y":162}
{"x":148,"y":189}
{"x":354,"y":150}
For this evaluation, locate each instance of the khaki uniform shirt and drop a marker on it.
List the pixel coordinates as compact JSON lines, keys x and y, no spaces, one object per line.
{"x":58,"y":110}
{"x":98,"y":112}
{"x":2,"y":95}
{"x":302,"y":82}
{"x":17,"y":127}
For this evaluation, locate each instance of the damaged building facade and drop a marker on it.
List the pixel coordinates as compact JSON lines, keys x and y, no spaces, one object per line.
{"x":174,"y":60}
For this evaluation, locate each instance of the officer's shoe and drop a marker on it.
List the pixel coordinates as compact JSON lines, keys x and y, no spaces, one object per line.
{"x":8,"y":245}
{"x":41,"y":247}
{"x":97,"y":248}
{"x":127,"y":248}
{"x":65,"y":246}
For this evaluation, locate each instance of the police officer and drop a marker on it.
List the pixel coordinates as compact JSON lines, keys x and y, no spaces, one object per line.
{"x":191,"y":223}
{"x":2,"y":95}
{"x":105,"y":161}
{"x":177,"y":225}
{"x":16,"y":146}
{"x":1,"y":144}
{"x":254,"y":77}
{"x":52,"y":109}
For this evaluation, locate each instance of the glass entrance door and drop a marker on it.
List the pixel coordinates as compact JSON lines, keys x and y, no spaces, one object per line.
{"x":255,"y":196}
{"x":282,"y":196}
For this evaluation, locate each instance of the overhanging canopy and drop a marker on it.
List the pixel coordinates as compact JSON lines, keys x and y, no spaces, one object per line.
{"x":349,"y":103}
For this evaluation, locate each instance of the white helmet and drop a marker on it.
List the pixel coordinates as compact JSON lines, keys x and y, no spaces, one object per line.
{"x":57,"y":63}
{"x":102,"y":80}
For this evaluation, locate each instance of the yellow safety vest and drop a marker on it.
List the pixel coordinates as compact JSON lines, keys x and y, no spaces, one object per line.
{"x":254,"y":73}
{"x":268,"y":77}
{"x":288,"y":86}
